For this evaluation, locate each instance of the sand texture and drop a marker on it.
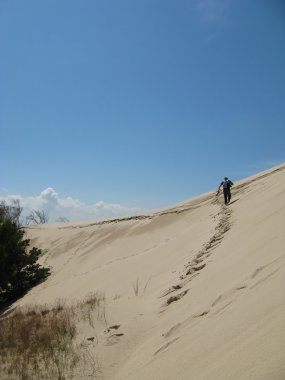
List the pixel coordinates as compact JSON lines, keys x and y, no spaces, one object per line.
{"x":195,"y":291}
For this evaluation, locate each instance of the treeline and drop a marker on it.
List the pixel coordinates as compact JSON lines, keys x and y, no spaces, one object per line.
{"x":19,"y":268}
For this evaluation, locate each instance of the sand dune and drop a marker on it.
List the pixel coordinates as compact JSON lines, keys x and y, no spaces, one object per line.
{"x":197,"y":289}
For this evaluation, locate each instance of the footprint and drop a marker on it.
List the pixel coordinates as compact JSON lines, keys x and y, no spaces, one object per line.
{"x":265,"y":278}
{"x":172,"y":289}
{"x":241,"y":287}
{"x":222,"y":308}
{"x":165,"y":346}
{"x":176,"y":298}
{"x":114,"y":327}
{"x":172,"y":330}
{"x":195,"y":268}
{"x":258,"y":270}
{"x":196,"y":261}
{"x":217,"y":300}
{"x":202,"y":314}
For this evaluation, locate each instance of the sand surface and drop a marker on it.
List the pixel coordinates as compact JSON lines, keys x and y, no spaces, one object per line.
{"x":197,"y":289}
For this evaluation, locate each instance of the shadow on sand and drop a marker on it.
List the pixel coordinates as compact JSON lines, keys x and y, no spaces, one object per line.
{"x":233,"y":201}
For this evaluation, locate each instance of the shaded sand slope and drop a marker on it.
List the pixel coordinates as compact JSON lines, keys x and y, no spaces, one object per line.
{"x":197,"y":289}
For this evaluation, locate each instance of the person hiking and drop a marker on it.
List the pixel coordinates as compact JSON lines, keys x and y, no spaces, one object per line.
{"x":226,"y":184}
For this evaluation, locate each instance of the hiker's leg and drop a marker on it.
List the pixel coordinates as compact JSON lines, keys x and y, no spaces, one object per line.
{"x":229,"y":195}
{"x":225,"y":196}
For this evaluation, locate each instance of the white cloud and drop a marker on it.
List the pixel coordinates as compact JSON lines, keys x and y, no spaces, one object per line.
{"x":72,"y":209}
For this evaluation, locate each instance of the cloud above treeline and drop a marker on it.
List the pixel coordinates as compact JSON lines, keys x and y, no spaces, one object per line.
{"x":69,"y":208}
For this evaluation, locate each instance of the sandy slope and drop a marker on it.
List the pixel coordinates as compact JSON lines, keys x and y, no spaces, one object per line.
{"x":210,"y":282}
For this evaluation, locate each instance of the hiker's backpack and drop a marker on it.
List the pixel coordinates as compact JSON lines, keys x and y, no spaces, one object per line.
{"x":227,"y":184}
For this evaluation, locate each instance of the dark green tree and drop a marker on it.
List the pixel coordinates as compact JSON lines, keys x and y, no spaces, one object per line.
{"x":19,"y":269}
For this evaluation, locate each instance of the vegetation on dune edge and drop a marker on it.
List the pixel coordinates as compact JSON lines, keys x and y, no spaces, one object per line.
{"x":19,"y":267}
{"x":41,"y":342}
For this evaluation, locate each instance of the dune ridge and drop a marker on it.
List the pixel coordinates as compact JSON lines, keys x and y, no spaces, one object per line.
{"x":196,"y":289}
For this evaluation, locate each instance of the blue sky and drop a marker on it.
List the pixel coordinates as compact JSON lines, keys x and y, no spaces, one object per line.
{"x":121,"y":105}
